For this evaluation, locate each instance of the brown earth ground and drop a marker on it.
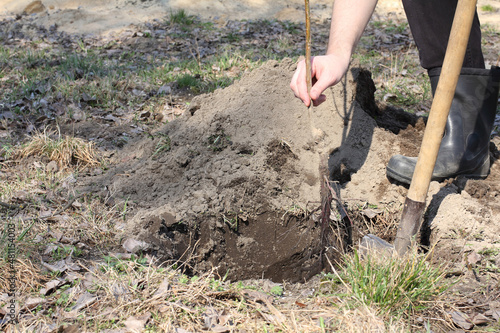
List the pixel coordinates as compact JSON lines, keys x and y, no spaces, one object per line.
{"x":102,"y":17}
{"x":248,"y":153}
{"x":240,"y":186}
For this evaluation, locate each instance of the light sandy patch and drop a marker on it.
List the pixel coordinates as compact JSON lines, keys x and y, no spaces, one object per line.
{"x":101,"y":17}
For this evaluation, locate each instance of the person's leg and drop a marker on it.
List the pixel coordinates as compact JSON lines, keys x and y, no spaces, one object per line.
{"x":464,"y":148}
{"x":430,"y":24}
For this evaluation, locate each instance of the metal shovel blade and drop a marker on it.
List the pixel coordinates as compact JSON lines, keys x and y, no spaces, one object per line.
{"x":371,"y":244}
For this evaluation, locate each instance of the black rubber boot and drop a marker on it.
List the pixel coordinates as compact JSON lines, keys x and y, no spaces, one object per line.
{"x":464,"y":148}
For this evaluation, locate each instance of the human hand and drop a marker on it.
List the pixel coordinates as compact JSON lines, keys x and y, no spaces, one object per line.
{"x":327,"y":70}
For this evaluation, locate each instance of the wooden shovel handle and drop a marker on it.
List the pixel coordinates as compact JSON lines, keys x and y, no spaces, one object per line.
{"x":308,"y":47}
{"x":443,"y":97}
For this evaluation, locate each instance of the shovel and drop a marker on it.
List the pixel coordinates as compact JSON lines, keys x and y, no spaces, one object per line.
{"x":415,"y":200}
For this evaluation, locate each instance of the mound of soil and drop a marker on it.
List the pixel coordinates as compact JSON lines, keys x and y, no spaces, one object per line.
{"x":232,"y":183}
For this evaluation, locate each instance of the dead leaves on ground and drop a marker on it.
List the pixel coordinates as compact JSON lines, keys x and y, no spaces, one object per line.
{"x":468,"y":322}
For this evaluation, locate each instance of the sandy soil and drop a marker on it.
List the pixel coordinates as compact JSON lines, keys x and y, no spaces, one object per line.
{"x":102,"y":17}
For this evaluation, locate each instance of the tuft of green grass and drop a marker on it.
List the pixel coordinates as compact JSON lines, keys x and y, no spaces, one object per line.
{"x":231,"y":219}
{"x":77,"y":66}
{"x":393,"y":284}
{"x":487,"y":8}
{"x":490,"y":251}
{"x":276,"y":290}
{"x":7,"y":150}
{"x":218,"y":141}
{"x":233,"y":37}
{"x":62,"y":252}
{"x":112,"y":263}
{"x":292,"y":27}
{"x":181,"y":17}
{"x":401,"y":84}
{"x":188,"y":81}
{"x":390,"y":26}
{"x":163,"y":145}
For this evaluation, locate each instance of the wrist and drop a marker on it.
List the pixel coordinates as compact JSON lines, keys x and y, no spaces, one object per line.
{"x":341,"y":59}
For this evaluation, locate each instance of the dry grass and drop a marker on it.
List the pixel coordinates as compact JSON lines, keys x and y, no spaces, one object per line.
{"x":166,"y":300}
{"x":120,"y":288}
{"x":373,"y":220}
{"x":94,"y":222}
{"x":28,"y":275}
{"x":66,"y":151}
{"x":366,"y":319}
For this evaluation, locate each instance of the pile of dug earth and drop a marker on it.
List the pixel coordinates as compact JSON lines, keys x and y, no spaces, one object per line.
{"x":235,"y":183}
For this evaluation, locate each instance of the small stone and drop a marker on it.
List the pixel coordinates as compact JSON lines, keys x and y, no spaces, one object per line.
{"x":318,"y":134}
{"x":474,"y":258}
{"x":134,"y":246}
{"x":52,"y":166}
{"x":38,"y":239}
{"x":165,"y":90}
{"x":76,"y":113}
{"x":34,"y":8}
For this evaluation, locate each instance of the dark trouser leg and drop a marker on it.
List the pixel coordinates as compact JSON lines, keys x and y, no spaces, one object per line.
{"x":464,"y":148}
{"x":430,"y":23}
